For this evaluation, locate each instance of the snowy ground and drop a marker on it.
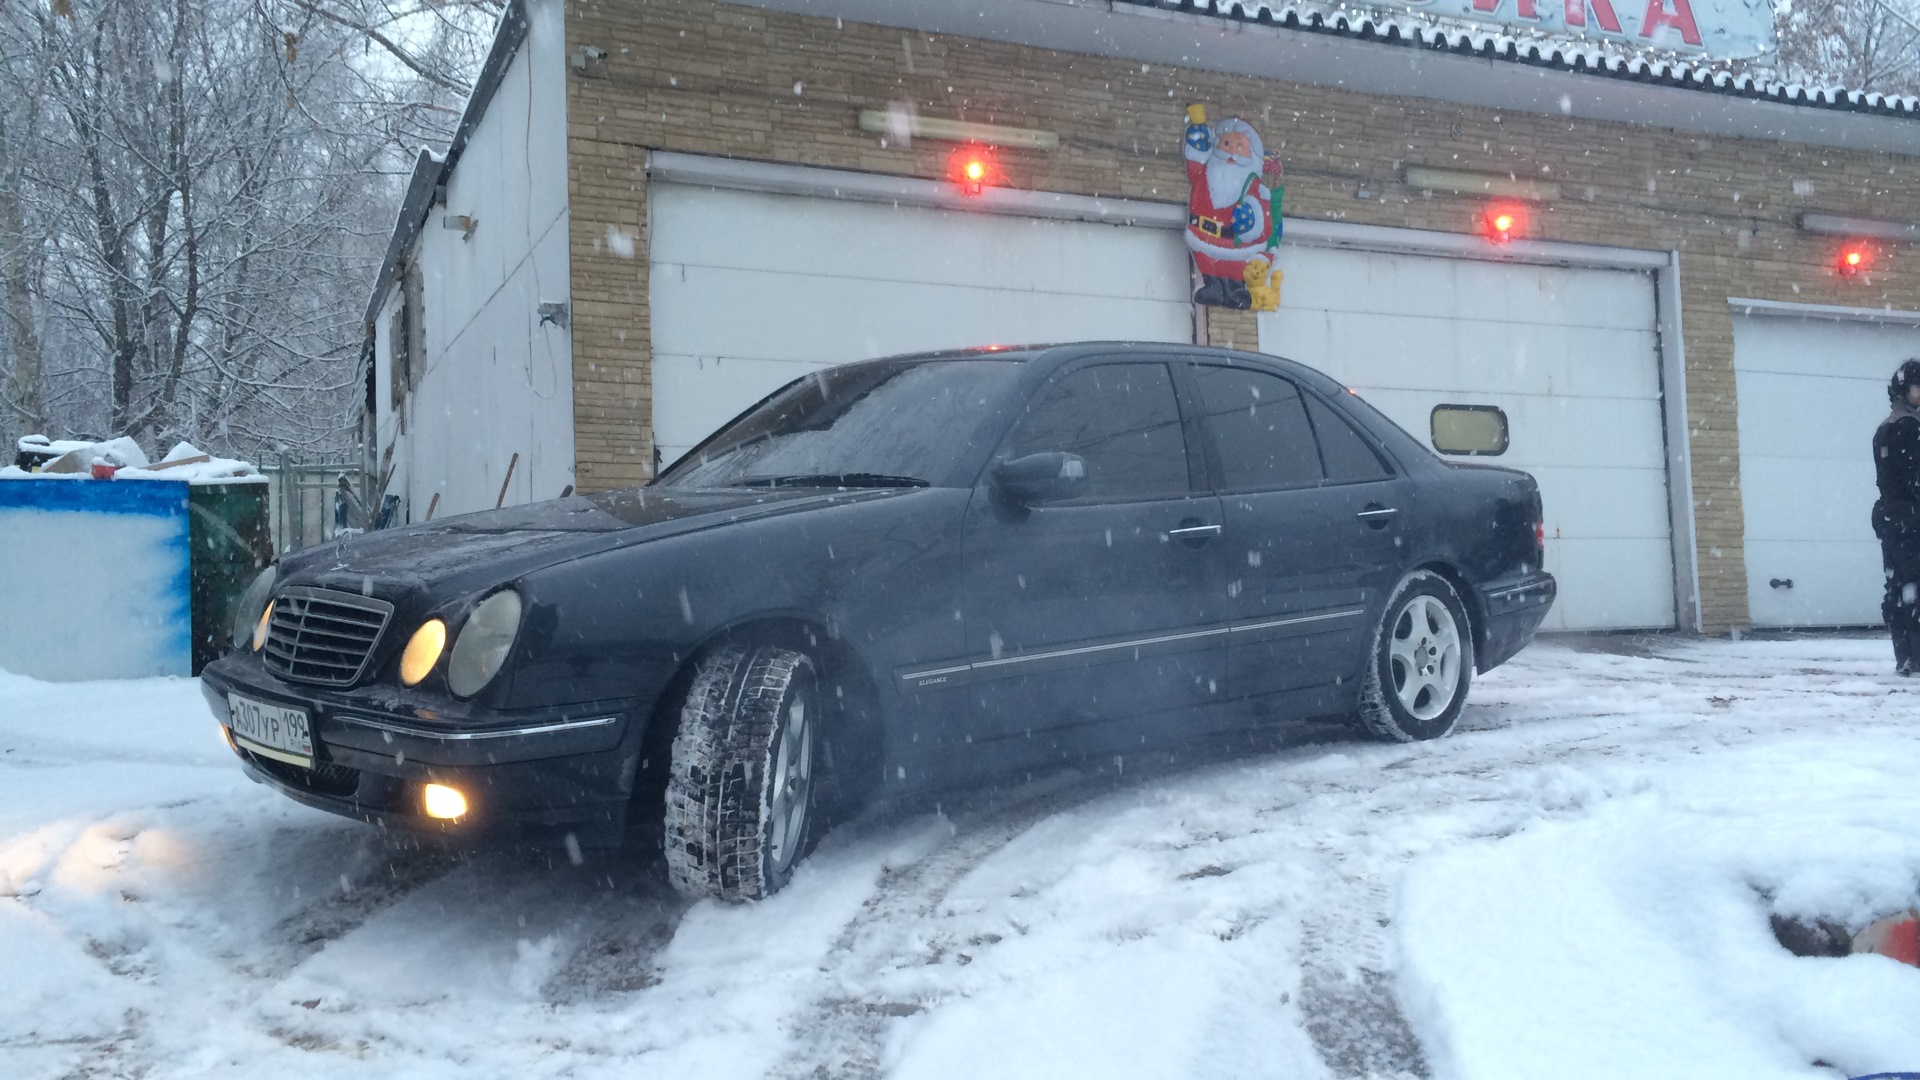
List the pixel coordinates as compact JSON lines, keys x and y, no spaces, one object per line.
{"x":1577,"y":885}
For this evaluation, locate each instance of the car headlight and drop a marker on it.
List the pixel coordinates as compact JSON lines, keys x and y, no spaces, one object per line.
{"x":481,"y":650}
{"x":423,"y":651}
{"x":250,"y":615}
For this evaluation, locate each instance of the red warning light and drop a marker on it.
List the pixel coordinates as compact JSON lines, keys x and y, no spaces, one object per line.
{"x":1855,"y":259}
{"x":1503,"y":223}
{"x":972,"y":169}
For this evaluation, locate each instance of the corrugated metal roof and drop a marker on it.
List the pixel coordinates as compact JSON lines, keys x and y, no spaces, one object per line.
{"x":1594,"y":56}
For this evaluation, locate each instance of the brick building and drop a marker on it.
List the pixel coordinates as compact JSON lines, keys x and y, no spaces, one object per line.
{"x":657,"y":211}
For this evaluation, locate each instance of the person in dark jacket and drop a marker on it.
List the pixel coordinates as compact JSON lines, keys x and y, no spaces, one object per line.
{"x":1896,"y":514}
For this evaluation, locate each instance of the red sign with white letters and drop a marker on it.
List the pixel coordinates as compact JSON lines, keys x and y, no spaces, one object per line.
{"x":1727,"y":29}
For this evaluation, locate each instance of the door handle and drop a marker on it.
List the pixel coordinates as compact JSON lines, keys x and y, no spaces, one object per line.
{"x":1193,"y":532}
{"x":1378,"y":515}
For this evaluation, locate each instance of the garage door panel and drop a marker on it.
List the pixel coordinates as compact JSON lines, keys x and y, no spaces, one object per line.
{"x":1573,"y":431}
{"x":1430,"y":353}
{"x":1603,"y":299}
{"x":1544,"y":431}
{"x":830,"y":320}
{"x":1386,"y":283}
{"x":1304,"y":336}
{"x":1810,"y":393}
{"x":1609,"y":584}
{"x":1365,"y":282}
{"x":1613,"y":363}
{"x":1552,"y":295}
{"x":1802,"y":499}
{"x":1789,"y":345}
{"x":874,"y":242}
{"x":1614,"y":504}
{"x":1812,"y":416}
{"x":1834,"y":583}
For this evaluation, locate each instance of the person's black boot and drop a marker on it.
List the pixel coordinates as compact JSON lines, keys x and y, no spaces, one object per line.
{"x":1212,"y":292}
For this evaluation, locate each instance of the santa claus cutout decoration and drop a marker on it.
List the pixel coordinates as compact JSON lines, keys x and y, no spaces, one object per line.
{"x":1233,"y":213}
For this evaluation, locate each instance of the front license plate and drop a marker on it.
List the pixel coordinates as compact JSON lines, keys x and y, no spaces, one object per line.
{"x":273,"y":731}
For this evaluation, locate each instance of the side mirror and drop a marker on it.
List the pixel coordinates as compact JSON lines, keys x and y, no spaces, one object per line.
{"x":1049,"y":476}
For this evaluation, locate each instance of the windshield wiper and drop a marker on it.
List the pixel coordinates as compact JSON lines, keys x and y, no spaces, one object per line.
{"x":842,"y":480}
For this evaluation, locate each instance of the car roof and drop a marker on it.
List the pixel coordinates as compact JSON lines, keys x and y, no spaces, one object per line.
{"x":1064,"y":351}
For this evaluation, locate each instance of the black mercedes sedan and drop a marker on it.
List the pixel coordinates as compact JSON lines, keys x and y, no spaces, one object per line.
{"x":886,"y":578}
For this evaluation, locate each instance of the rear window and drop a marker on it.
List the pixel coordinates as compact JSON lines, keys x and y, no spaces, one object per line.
{"x":1350,"y":457}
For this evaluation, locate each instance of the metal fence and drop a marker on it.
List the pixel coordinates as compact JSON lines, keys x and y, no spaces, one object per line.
{"x":305,"y":499}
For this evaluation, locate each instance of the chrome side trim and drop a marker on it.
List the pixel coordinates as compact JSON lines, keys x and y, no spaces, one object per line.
{"x":1026,"y":658}
{"x":936,"y":676}
{"x":1296,"y":621}
{"x":471,"y":736}
{"x":953,"y":670}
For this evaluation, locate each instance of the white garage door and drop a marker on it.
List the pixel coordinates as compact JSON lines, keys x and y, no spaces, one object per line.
{"x":1570,"y":356}
{"x":1811,"y":392}
{"x":750,"y":290}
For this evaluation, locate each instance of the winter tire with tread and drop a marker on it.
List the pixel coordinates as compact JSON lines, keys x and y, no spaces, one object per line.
{"x":740,"y":791}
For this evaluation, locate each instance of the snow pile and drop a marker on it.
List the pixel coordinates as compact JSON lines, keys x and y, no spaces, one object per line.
{"x":184,"y":462}
{"x":1540,"y":953}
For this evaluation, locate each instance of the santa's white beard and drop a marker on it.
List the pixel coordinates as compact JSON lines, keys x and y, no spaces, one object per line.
{"x":1227,"y":177}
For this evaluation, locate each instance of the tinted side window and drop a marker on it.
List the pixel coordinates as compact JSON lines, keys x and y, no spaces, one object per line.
{"x":1259,"y":425}
{"x":1122,"y":418}
{"x":1348,"y":456}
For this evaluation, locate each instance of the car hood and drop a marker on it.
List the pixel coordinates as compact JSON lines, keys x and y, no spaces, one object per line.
{"x":474,"y":551}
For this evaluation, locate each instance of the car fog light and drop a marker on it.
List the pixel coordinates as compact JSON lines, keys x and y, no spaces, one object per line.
{"x":443,"y":802}
{"x":423,"y":651}
{"x":227,"y":737}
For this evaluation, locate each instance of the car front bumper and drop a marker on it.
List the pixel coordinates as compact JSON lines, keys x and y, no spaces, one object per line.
{"x":539,"y":774}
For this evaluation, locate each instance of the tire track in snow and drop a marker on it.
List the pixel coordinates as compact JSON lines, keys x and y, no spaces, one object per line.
{"x":390,"y":869}
{"x":843,"y":1029}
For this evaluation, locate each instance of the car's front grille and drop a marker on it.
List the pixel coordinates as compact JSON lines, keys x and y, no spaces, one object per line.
{"x":324,"y":636}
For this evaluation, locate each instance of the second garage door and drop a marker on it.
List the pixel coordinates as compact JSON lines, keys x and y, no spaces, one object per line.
{"x":1568,"y":355}
{"x":749,"y":290}
{"x":1811,"y":392}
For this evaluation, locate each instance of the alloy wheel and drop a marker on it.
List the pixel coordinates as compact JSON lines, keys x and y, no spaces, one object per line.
{"x":792,"y":786}
{"x":1424,"y":657}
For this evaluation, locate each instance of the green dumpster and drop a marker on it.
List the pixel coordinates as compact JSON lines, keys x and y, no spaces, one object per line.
{"x":230,"y":540}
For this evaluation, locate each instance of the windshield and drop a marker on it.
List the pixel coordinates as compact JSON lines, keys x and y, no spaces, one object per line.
{"x":882,"y":424}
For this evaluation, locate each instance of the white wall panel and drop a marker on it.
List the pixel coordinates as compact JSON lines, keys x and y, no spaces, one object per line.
{"x":1811,"y":392}
{"x":1569,"y":354}
{"x":750,"y":290}
{"x":497,"y":382}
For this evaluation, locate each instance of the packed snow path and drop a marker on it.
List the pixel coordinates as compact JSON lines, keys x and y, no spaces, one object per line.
{"x":1577,"y":884}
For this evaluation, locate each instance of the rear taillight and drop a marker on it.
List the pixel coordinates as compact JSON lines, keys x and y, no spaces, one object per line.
{"x":1539,"y":536}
